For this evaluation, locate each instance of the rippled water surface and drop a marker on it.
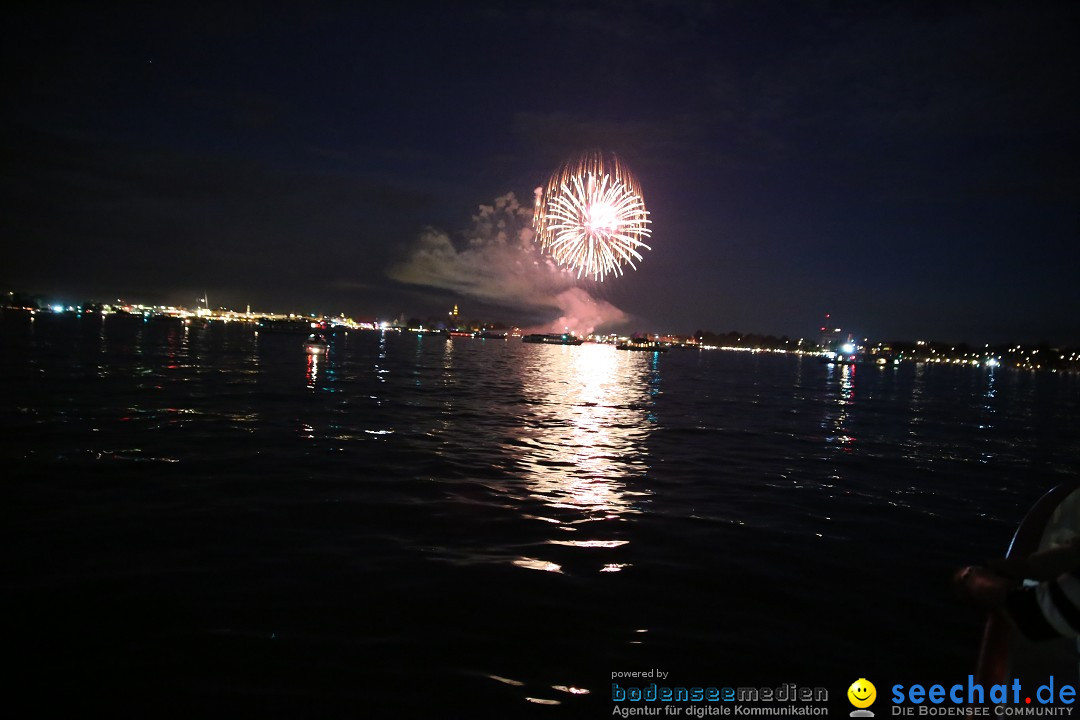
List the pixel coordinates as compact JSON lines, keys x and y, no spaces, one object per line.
{"x":210,"y":519}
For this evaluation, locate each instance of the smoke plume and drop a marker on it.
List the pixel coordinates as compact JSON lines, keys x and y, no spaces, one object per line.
{"x":497,"y":262}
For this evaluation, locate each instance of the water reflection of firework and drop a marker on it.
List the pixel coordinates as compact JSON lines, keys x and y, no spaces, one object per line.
{"x":585,"y":438}
{"x":591,"y":216}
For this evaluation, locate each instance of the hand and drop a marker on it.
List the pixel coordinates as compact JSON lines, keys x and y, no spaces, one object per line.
{"x":982,"y":586}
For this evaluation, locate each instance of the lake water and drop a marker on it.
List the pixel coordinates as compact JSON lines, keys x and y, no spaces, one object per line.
{"x":209,"y":520}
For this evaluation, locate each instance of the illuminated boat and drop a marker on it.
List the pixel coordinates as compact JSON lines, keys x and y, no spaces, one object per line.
{"x":641,"y":344}
{"x":552,"y":339}
{"x":316,"y":345}
{"x":839,"y":358}
{"x":492,"y":335}
{"x":841,"y":353}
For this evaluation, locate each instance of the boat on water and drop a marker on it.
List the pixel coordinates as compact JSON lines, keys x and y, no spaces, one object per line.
{"x":552,"y":339}
{"x":492,"y":335}
{"x":316,"y":344}
{"x":1052,"y":522}
{"x":641,"y":344}
{"x":860,"y":359}
{"x":837,"y":360}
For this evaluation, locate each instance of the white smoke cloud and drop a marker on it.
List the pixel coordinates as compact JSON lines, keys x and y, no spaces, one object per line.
{"x":583,"y":313}
{"x":498,"y":262}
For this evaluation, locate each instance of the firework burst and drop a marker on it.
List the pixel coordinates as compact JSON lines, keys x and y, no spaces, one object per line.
{"x":591,"y":216}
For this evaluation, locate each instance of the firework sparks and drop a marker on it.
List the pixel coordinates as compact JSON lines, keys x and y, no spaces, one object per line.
{"x":591,"y":216}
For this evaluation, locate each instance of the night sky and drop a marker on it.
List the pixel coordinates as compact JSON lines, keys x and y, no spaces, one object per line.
{"x":910,"y":168}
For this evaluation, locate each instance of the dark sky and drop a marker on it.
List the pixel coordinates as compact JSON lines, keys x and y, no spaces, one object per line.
{"x":910,"y":168}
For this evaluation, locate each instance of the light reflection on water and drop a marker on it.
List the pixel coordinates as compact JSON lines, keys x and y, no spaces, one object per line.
{"x":838,"y":422}
{"x":312,"y":373}
{"x":989,"y":409}
{"x":584,"y":437}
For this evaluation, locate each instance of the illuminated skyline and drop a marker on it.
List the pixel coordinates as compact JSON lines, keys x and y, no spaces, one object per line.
{"x":904,"y":167}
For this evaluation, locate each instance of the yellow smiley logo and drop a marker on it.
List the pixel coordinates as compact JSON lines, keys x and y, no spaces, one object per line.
{"x":862,"y":693}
